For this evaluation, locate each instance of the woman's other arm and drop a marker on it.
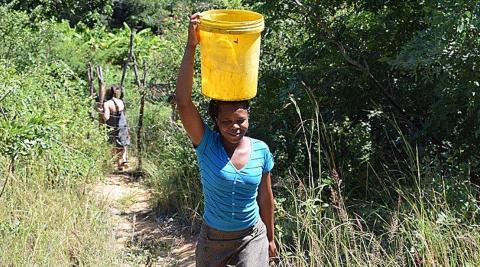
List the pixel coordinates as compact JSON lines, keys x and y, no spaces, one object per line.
{"x":191,"y":120}
{"x":106,"y":111}
{"x":266,"y":205}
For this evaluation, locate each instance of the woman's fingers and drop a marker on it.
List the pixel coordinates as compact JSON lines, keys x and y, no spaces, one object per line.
{"x":194,"y":20}
{"x":195,"y":16}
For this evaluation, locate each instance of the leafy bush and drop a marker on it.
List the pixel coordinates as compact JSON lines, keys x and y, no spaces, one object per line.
{"x":411,"y":64}
{"x":171,"y":165}
{"x":87,"y":12}
{"x":49,"y":150}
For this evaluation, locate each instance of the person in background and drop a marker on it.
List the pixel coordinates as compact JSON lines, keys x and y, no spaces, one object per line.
{"x":113,"y":112}
{"x":238,"y":225}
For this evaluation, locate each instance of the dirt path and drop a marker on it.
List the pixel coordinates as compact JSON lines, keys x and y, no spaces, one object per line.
{"x":144,"y":238}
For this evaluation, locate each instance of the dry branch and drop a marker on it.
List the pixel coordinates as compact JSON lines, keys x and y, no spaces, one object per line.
{"x":91,"y":89}
{"x":101,"y":85}
{"x":101,"y":91}
{"x":130,"y":56}
{"x":142,"y":88}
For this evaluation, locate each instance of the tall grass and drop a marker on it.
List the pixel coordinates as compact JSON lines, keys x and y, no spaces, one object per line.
{"x":170,"y":165}
{"x":49,"y":150}
{"x":47,"y":216}
{"x":317,"y":226}
{"x":41,"y":225}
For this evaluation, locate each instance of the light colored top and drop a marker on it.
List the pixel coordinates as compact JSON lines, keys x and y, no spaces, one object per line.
{"x":230,"y":194}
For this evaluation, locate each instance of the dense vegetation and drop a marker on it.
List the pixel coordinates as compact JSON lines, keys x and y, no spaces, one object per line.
{"x":49,"y":150}
{"x":375,"y":133}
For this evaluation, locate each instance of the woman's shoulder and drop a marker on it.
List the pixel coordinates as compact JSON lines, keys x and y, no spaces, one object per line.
{"x":258,"y":144}
{"x":112,"y":103}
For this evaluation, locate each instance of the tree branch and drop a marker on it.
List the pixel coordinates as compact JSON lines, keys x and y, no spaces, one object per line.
{"x":142,"y":89}
{"x":129,"y":58}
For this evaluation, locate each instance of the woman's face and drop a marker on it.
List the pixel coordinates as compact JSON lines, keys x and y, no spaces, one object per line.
{"x":232,"y":121}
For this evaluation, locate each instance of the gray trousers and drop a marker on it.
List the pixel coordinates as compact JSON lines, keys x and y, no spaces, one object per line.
{"x":245,"y":248}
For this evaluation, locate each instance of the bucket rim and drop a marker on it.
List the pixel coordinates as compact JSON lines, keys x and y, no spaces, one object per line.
{"x":254,"y":24}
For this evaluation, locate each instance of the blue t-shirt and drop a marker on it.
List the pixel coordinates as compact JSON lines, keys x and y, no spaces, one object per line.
{"x":230,"y":194}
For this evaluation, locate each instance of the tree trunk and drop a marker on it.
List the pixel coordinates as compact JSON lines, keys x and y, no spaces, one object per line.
{"x":91,"y":87}
{"x":101,"y":90}
{"x":129,"y":59}
{"x":141,"y":87}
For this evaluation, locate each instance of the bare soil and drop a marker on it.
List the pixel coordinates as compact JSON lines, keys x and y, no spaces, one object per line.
{"x":144,"y":237}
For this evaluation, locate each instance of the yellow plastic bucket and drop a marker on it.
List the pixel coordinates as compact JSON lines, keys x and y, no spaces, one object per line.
{"x":230,"y":53}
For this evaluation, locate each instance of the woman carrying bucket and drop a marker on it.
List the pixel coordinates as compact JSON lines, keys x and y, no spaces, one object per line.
{"x":235,"y":170}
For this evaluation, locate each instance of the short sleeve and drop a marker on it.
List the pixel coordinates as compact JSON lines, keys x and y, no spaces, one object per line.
{"x":206,"y":139}
{"x":268,"y":165}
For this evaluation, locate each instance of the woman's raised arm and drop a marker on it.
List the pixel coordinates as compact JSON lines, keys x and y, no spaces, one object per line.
{"x":191,"y":120}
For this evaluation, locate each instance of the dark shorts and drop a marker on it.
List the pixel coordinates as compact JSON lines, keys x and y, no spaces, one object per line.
{"x":245,"y":248}
{"x":119,"y":137}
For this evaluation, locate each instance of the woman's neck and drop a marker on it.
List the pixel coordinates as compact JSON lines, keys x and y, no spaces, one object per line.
{"x":231,"y":147}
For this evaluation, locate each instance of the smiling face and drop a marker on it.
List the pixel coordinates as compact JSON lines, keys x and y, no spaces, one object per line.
{"x":232,"y":121}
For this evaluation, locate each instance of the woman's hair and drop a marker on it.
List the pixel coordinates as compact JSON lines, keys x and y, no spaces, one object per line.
{"x":111,"y":92}
{"x":213,"y":109}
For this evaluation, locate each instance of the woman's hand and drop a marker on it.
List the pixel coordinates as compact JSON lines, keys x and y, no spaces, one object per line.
{"x":193,"y":38}
{"x":272,"y":250}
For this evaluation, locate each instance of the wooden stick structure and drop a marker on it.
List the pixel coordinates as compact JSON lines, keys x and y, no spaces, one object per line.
{"x":91,"y":87}
{"x":101,"y":85}
{"x":101,"y":91}
{"x":129,"y":58}
{"x":142,"y":90}
{"x":131,"y":61}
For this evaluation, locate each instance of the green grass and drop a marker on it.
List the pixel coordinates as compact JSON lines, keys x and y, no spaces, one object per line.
{"x":42,"y":226}
{"x":310,"y":235}
{"x":432,"y":223}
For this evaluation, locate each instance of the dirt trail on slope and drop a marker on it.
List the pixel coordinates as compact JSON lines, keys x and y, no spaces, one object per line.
{"x":144,"y":238}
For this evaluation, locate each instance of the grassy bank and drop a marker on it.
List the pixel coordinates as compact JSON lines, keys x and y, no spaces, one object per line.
{"x":49,"y":150}
{"x":45,"y":226}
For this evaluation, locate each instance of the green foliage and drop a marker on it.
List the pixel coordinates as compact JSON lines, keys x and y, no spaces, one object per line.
{"x":19,"y":43}
{"x":171,"y":165}
{"x":31,"y":125}
{"x":386,"y":93}
{"x":143,"y":14}
{"x":87,"y":12}
{"x":413,"y":63}
{"x":49,"y":149}
{"x":157,"y":14}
